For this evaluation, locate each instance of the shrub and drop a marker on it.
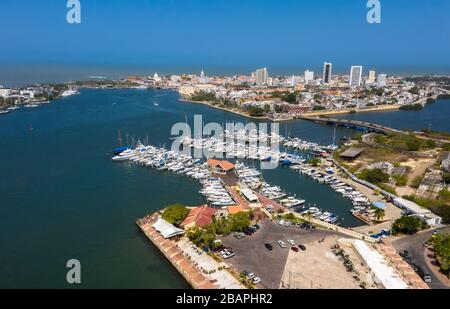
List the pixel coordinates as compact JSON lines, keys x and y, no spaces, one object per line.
{"x":175,"y":214}
{"x":408,"y":225}
{"x":441,"y":246}
{"x":374,"y":176}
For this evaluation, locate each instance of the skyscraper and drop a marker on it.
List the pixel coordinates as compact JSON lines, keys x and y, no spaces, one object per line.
{"x":327,"y":66}
{"x":355,"y":76}
{"x":371,"y":78}
{"x":309,"y":76}
{"x":261,"y":76}
{"x":382,"y":80}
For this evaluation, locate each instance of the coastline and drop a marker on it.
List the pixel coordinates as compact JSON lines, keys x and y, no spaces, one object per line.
{"x":240,"y":113}
{"x":379,"y":108}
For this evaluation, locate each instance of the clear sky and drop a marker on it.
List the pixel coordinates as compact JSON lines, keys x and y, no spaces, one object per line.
{"x":233,"y":33}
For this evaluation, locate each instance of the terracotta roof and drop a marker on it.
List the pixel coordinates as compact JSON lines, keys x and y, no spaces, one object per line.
{"x":235,"y":209}
{"x":201,"y":216}
{"x":223,"y":164}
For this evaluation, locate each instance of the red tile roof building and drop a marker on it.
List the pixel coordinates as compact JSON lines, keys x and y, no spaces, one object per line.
{"x":221,"y":167}
{"x":199,"y":216}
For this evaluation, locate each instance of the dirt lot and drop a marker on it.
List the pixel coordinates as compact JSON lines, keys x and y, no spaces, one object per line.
{"x":319,"y":268}
{"x":252,"y":256}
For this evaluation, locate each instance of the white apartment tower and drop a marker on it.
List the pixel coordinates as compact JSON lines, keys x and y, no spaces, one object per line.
{"x":309,"y":76}
{"x":261,"y":76}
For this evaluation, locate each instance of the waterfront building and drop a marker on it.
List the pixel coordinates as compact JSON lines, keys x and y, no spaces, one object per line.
{"x":198,"y":216}
{"x":327,"y":67}
{"x":221,"y":167}
{"x":355,"y":76}
{"x":372,"y":77}
{"x":309,"y":76}
{"x":261,"y":76}
{"x":5,"y":92}
{"x":166,"y":229}
{"x":382,"y":80}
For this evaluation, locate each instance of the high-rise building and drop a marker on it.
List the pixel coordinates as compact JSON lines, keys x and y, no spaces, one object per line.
{"x":309,"y":76}
{"x":294,"y":80}
{"x":355,"y":76}
{"x":372,"y":77}
{"x":203,"y":79}
{"x":327,"y":66}
{"x":382,"y":80}
{"x":261,"y":76}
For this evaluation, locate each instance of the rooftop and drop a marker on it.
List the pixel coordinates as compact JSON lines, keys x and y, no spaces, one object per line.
{"x":201,"y":216}
{"x":225,"y":165}
{"x":166,"y":229}
{"x":235,"y":209}
{"x":352,"y":152}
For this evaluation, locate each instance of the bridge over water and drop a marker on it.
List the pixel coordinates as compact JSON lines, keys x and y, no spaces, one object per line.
{"x":353,"y":124}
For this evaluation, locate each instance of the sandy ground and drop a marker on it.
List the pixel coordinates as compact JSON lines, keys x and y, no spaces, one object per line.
{"x":319,"y":268}
{"x":418,"y":168}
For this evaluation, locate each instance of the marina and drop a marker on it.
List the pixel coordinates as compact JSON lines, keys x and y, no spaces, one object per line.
{"x":213,"y":189}
{"x":103,"y":192}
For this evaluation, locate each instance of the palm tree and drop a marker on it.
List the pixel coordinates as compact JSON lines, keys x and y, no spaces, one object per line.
{"x":379,"y":214}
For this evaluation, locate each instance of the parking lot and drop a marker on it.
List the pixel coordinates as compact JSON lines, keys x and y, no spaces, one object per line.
{"x":252,"y":255}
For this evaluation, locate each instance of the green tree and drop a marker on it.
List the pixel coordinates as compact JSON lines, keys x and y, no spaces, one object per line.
{"x":408,"y":225}
{"x":175,"y":214}
{"x":441,"y":247}
{"x":374,"y":176}
{"x":379,"y":214}
{"x":240,"y":221}
{"x":447,"y":178}
{"x":444,"y":195}
{"x":255,"y":111}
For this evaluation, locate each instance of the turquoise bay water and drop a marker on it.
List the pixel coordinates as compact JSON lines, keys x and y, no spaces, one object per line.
{"x":61,"y":197}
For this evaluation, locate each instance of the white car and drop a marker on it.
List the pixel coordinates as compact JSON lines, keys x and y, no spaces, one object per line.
{"x":291,"y":242}
{"x":228,"y":255}
{"x":251,"y":276}
{"x":281,"y":244}
{"x":256,"y":280}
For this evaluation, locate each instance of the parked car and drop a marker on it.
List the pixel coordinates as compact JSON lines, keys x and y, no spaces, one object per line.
{"x":268,"y":247}
{"x":256,"y":280}
{"x":248,"y":232}
{"x":238,"y":235}
{"x":251,"y":276}
{"x":302,"y":247}
{"x":228,"y":255}
{"x":281,"y":244}
{"x":295,"y":249}
{"x":291,"y":242}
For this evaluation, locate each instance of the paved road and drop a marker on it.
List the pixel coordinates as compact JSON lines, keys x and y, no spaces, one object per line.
{"x":415,"y":245}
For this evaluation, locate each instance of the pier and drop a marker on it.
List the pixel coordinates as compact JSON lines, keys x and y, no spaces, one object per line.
{"x":199,"y":270}
{"x":174,"y":255}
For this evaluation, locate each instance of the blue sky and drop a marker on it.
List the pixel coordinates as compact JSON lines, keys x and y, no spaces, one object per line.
{"x":233,"y":33}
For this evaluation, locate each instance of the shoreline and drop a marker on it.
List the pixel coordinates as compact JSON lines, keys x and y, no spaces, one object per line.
{"x":240,"y":113}
{"x":380,"y":108}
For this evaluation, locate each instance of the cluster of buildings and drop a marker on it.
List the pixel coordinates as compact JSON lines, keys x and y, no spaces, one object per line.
{"x":355,"y":91}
